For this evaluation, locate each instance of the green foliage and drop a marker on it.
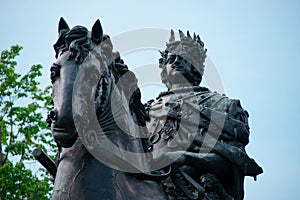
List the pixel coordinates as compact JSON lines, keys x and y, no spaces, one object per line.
{"x":17,"y":182}
{"x":22,"y":128}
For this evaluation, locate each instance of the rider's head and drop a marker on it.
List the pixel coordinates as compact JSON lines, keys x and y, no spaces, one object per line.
{"x":182,"y":61}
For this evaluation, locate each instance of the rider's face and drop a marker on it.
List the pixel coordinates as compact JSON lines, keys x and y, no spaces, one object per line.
{"x":178,"y":69}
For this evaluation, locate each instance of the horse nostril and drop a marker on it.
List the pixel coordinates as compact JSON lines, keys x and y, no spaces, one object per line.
{"x":53,"y":115}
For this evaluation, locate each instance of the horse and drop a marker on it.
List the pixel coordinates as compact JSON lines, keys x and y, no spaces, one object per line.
{"x":98,"y":120}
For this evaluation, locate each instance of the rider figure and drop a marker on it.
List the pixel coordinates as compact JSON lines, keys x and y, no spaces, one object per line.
{"x":204,"y":132}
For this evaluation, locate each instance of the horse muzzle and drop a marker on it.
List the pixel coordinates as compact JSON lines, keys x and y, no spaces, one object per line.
{"x":63,"y":131}
{"x":64,"y":137}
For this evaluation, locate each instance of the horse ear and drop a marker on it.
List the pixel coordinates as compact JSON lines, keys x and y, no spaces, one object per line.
{"x":62,"y":25}
{"x":97,"y":32}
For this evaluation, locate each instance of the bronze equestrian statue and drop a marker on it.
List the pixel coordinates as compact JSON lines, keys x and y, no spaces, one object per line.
{"x":187,"y":144}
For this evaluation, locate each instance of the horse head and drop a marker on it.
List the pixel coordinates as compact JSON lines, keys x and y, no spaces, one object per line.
{"x":72,"y":48}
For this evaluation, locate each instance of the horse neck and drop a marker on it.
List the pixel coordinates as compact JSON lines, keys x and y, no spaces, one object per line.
{"x":118,"y":125}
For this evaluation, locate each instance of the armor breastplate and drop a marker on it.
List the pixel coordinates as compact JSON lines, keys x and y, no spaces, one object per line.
{"x":195,"y":110}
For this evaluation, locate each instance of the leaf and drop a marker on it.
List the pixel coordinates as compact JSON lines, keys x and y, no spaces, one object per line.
{"x":23,"y":108}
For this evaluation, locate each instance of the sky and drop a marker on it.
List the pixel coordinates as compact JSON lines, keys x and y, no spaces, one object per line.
{"x":253,"y":45}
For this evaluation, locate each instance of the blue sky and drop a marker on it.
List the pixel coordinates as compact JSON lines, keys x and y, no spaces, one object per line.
{"x":254,"y":46}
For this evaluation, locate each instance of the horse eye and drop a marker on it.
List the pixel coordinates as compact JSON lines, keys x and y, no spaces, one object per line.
{"x":54,"y":72}
{"x":94,"y":76}
{"x":53,"y":75}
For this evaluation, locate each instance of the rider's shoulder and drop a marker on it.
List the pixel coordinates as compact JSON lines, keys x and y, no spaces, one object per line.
{"x":221,"y":102}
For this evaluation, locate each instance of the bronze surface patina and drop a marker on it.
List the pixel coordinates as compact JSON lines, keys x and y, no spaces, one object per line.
{"x":188,"y":143}
{"x":84,"y":78}
{"x":202,"y":133}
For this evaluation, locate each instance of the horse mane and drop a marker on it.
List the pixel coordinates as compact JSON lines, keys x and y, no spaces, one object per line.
{"x":78,"y":42}
{"x":131,"y":90}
